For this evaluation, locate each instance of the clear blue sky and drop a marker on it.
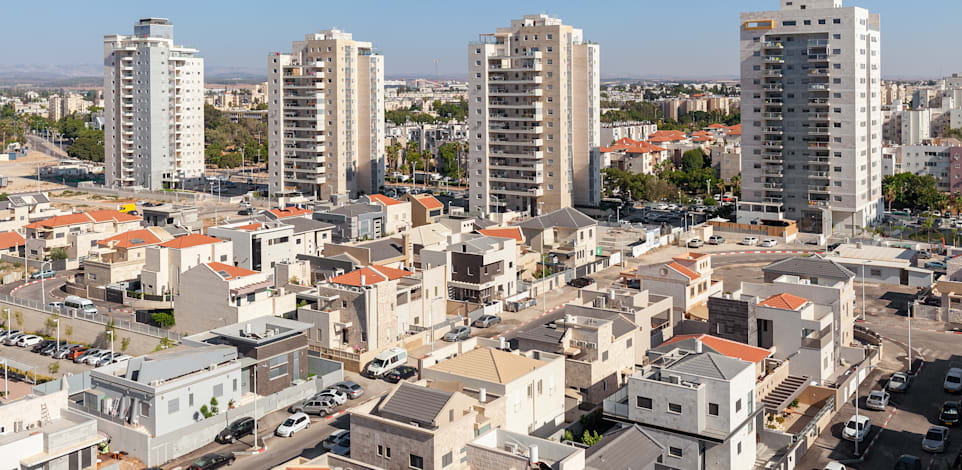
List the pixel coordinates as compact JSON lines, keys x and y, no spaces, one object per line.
{"x":694,"y":38}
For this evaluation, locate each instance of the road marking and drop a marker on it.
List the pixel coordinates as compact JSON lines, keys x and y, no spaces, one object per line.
{"x":879,"y":433}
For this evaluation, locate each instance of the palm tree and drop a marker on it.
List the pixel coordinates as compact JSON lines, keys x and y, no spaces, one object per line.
{"x":929,"y":222}
{"x":393,"y":152}
{"x":890,"y":196}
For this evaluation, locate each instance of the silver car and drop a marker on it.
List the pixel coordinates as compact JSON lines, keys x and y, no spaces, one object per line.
{"x":936,"y":439}
{"x":458,"y":333}
{"x":899,"y":382}
{"x":953,"y":380}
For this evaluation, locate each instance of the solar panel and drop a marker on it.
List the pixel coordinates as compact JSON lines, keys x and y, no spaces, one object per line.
{"x":223,"y":274}
{"x":137,"y":241}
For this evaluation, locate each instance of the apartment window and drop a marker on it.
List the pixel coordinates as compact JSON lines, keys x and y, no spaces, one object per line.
{"x":807,"y":22}
{"x":235,"y":385}
{"x":604,"y":356}
{"x":739,"y":448}
{"x":738,"y":405}
{"x":278,"y":367}
{"x":173,"y":406}
{"x":416,"y":461}
{"x":190,"y":399}
{"x":713,"y":409}
{"x":448,"y":459}
{"x":788,"y":23}
{"x":675,"y":452}
{"x":674,"y":407}
{"x":821,"y":21}
{"x":218,"y":390}
{"x":628,"y":343}
{"x":643,"y":402}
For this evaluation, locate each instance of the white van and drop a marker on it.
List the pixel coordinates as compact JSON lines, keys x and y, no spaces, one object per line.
{"x":385,"y":361}
{"x":74,"y":305}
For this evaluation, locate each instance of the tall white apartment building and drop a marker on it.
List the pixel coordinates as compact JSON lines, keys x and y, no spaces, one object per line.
{"x":153,"y":108}
{"x":326,"y":117}
{"x":812,"y":133}
{"x":534,"y":115}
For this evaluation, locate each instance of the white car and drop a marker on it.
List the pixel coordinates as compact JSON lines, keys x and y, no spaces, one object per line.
{"x":769,"y":242}
{"x":339,"y":397}
{"x":750,"y":241}
{"x":857,"y":428}
{"x":953,"y":380}
{"x":335,"y":438}
{"x":936,"y":439}
{"x":293,"y":423}
{"x":28,"y":340}
{"x":834,"y":466}
{"x":93,"y":359}
{"x":877,"y":400}
{"x":661,"y":206}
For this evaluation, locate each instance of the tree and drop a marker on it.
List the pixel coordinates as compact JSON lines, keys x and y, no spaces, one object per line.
{"x":50,"y":325}
{"x":913,"y":191}
{"x":124,"y":344}
{"x":590,"y":438}
{"x":68,"y":332}
{"x":58,"y":254}
{"x":88,"y":145}
{"x":163,"y":319}
{"x":213,"y":406}
{"x":53,"y":368}
{"x":18,"y":317}
{"x":693,"y":160}
{"x":393,"y":152}
{"x":890,"y":196}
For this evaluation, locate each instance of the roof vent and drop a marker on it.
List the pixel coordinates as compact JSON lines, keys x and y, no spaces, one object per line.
{"x":699,"y":346}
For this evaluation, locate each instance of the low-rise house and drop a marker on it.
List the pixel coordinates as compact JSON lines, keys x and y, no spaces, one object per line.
{"x":288,"y":212}
{"x":393,"y":252}
{"x":882,"y":264}
{"x":12,"y":243}
{"x":532,"y":384}
{"x":598,"y":346}
{"x":24,"y":208}
{"x":258,"y":245}
{"x":425,"y":209}
{"x":122,"y":257}
{"x":171,"y":215}
{"x":418,"y":427}
{"x":371,"y":308}
{"x":650,"y":313}
{"x":354,"y":222}
{"x":426,"y":236}
{"x":634,"y":156}
{"x":480,"y":269}
{"x":686,"y":279}
{"x":628,"y":447}
{"x":397,"y":214}
{"x":566,"y":234}
{"x":277,"y":347}
{"x":506,"y":450}
{"x":167,"y":262}
{"x":76,"y":233}
{"x":213,"y":294}
{"x":40,"y":432}
{"x":701,"y":406}
{"x":309,"y":235}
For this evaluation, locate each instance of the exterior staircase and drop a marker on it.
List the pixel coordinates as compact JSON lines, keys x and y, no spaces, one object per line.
{"x":785,"y":392}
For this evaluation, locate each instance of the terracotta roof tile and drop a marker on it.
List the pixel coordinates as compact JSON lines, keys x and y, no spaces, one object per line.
{"x":61,"y":221}
{"x":11,"y":239}
{"x":105,"y":215}
{"x":784,"y":302}
{"x":716,"y":126}
{"x":233,"y":272}
{"x":382,"y":199}
{"x":372,"y":275}
{"x":187,"y":241}
{"x":251,"y":227}
{"x":725,"y":346}
{"x":290,"y":212}
{"x":511,"y":232}
{"x":428,"y":201}
{"x":735,"y":130}
{"x":131,"y":238}
{"x":683,"y":270}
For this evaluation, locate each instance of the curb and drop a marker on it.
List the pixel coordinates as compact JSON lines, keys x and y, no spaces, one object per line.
{"x":767,"y":252}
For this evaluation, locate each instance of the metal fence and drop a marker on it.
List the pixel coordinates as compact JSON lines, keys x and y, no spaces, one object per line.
{"x":94,"y":318}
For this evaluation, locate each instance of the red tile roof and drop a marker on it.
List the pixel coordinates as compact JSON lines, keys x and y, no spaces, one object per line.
{"x":61,"y":221}
{"x":127,"y":239}
{"x":784,"y":302}
{"x":233,"y":272}
{"x":106,"y":215}
{"x":428,"y":201}
{"x":510,"y":232}
{"x":691,"y":255}
{"x":632,"y":146}
{"x":251,"y":227}
{"x":683,"y":270}
{"x":187,"y":241}
{"x":11,"y":239}
{"x":290,"y":212}
{"x":372,"y":275}
{"x":384,"y":200}
{"x":666,"y":136}
{"x":716,"y":126}
{"x":727,"y":347}
{"x":735,"y":130}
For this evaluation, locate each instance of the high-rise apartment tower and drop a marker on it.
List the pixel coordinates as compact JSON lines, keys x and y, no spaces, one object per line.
{"x":812,"y":122}
{"x":534,"y":115}
{"x":326,"y":117}
{"x":153,"y":109}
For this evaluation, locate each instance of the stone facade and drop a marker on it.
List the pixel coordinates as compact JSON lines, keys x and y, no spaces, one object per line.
{"x":733,"y":320}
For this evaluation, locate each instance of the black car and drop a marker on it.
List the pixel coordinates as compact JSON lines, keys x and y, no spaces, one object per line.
{"x":52,"y":348}
{"x":949,"y":415}
{"x":908,"y":462}
{"x":42,"y":345}
{"x":400,"y":373}
{"x":236,"y":430}
{"x":212,"y":461}
{"x":581,"y":282}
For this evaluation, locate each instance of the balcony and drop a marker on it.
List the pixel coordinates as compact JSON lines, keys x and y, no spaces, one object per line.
{"x":517,"y":130}
{"x":817,"y":42}
{"x":818,"y":102}
{"x":817,"y":189}
{"x":536,"y":155}
{"x":817,"y":57}
{"x":519,"y":80}
{"x":504,"y":190}
{"x":773,"y":116}
{"x":772,"y":159}
{"x":773,"y":59}
{"x":819,"y":116}
{"x":523,"y":143}
{"x":507,"y":92}
{"x":536,"y":117}
{"x":773,"y":173}
{"x":773,"y":130}
{"x":819,"y":145}
{"x":819,"y":72}
{"x":505,"y":105}
{"x":819,"y":161}
{"x":773,"y":186}
{"x":516,"y":179}
{"x":818,"y":131}
{"x":772,"y":144}
{"x":818,"y":87}
{"x":772,"y":87}
{"x":773,"y":73}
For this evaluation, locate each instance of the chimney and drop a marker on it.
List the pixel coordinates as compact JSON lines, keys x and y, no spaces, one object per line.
{"x":483,"y":395}
{"x":362,"y":280}
{"x":533,"y":456}
{"x":699,"y":347}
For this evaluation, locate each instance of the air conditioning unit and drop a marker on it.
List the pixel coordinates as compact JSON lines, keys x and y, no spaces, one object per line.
{"x":511,"y":448}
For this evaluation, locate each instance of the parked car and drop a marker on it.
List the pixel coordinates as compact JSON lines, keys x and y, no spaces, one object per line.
{"x":66,"y":351}
{"x":935,"y":265}
{"x":42,"y":345}
{"x":235,"y":430}
{"x":45,"y":274}
{"x":661,"y":206}
{"x":716,"y":240}
{"x":908,"y":462}
{"x":121,"y":358}
{"x":899,"y":382}
{"x":485,"y":321}
{"x":12,"y":338}
{"x":343,"y":446}
{"x":750,"y":241}
{"x":55,"y":306}
{"x":80,"y":358}
{"x":93,"y":359}
{"x":52,"y":348}
{"x":877,"y":400}
{"x":936,"y":439}
{"x":769,"y":242}
{"x":28,"y":340}
{"x":107,"y":359}
{"x":400,"y":373}
{"x":581,"y":282}
{"x":949,"y":415}
{"x":352,"y":389}
{"x":321,"y":406}
{"x":458,"y":333}
{"x":294,"y":423}
{"x":834,"y":466}
{"x":5,"y":333}
{"x":857,"y":428}
{"x":212,"y":461}
{"x":338,"y":396}
{"x":695,"y":243}
{"x":74,"y":354}
{"x":953,"y":380}
{"x":332,"y":440}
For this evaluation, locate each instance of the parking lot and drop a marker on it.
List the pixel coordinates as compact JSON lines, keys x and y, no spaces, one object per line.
{"x":23,"y":355}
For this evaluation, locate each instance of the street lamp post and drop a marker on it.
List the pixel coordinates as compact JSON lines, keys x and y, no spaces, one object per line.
{"x":43,"y":292}
{"x":856,"y":411}
{"x":111,"y":333}
{"x":6,"y":391}
{"x":58,"y":337}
